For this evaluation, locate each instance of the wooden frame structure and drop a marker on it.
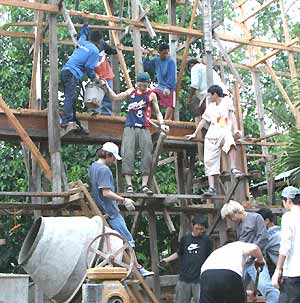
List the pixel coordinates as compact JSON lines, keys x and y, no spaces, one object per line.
{"x":41,"y":126}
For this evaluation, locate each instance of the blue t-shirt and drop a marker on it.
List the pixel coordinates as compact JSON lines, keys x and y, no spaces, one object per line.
{"x":139,"y":110}
{"x":84,"y":58}
{"x":101,"y":178}
{"x":165,"y":72}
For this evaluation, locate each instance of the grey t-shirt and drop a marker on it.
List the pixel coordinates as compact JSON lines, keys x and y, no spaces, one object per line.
{"x":253,"y":230}
{"x":101,"y":178}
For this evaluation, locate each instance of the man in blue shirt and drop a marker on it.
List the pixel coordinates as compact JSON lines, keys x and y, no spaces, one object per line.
{"x":103,"y":192}
{"x":165,"y":69}
{"x":83,"y":60}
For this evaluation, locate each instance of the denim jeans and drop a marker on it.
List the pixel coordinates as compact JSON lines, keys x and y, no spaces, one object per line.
{"x":290,"y":290}
{"x":106,"y":106}
{"x":71,"y":91}
{"x":270,"y":293}
{"x":118,"y":224}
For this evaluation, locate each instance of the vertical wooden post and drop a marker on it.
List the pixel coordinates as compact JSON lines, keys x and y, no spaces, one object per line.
{"x":242,"y":191}
{"x":207,"y":25}
{"x":179,"y":170}
{"x":116,"y":106}
{"x":173,"y":45}
{"x":186,"y":49}
{"x":53,"y":117}
{"x":154,"y":253}
{"x":260,"y":109}
{"x":137,"y":46}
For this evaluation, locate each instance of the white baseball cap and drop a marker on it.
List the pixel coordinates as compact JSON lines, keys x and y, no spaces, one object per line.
{"x":290,"y":192}
{"x":112,"y":148}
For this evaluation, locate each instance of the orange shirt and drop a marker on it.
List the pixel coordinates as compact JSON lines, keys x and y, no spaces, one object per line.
{"x":103,"y":70}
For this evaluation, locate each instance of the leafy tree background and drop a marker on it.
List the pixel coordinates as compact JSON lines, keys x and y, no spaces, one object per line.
{"x":15,"y":78}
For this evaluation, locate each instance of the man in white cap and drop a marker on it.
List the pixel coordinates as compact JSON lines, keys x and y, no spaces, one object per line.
{"x":103,"y":192}
{"x":287,"y":273}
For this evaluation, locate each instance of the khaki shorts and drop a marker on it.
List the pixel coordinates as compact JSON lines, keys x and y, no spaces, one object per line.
{"x":212,"y":152}
{"x":134,"y":140}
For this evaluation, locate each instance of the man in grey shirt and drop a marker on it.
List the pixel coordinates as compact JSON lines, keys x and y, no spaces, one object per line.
{"x":251,"y":228}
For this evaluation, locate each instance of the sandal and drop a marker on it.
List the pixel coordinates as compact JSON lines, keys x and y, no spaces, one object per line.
{"x":147,"y":190}
{"x":129,"y":189}
{"x":236,"y":173}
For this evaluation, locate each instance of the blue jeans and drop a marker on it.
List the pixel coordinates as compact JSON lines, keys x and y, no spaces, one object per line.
{"x":106,"y":106}
{"x":270,"y":293}
{"x":118,"y":224}
{"x":71,"y":91}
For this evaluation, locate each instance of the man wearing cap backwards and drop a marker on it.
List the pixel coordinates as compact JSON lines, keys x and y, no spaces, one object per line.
{"x":103,"y":192}
{"x":165,"y":69}
{"x":83,"y":60}
{"x":287,"y":273}
{"x":136,"y":133}
{"x":220,"y":135}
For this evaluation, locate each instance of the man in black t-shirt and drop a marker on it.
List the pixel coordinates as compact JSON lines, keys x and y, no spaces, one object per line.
{"x":192,"y":251}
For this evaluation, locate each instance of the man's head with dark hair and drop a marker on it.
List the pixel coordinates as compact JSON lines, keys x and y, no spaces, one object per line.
{"x":163,"y":51}
{"x":199,"y":220}
{"x":199,"y":225}
{"x":268,"y":216}
{"x":95,"y":36}
{"x":191,"y":63}
{"x":216,"y":89}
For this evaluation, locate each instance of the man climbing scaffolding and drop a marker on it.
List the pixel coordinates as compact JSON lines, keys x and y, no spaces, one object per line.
{"x":83,"y":60}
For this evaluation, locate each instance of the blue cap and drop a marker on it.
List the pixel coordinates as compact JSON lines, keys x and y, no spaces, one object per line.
{"x":143,"y":77}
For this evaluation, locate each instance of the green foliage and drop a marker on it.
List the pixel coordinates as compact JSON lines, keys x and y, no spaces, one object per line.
{"x":290,"y":159}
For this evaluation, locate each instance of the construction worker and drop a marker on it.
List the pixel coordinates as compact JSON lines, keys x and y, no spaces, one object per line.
{"x":220,"y":136}
{"x":250,"y":228}
{"x":136,"y":135}
{"x":103,"y":192}
{"x":273,"y":235}
{"x":83,"y":60}
{"x":193,"y":250}
{"x":287,"y":272}
{"x":165,"y":69}
{"x":221,"y":278}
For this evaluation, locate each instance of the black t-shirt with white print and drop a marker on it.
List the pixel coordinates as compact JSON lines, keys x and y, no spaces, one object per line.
{"x":192,"y":252}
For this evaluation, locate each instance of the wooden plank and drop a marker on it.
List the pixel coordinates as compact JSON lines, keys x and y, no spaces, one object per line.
{"x":294,"y":111}
{"x":256,"y":11}
{"x":162,"y":27}
{"x":53,"y":106}
{"x":36,"y":194}
{"x":136,"y":38}
{"x":117,"y":42}
{"x":166,"y":161}
{"x":154,"y":252}
{"x":186,"y":50}
{"x":26,"y":139}
{"x":145,"y":19}
{"x":271,"y":54}
{"x":37,"y":41}
{"x":29,"y":206}
{"x":228,"y":60}
{"x":169,"y":222}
